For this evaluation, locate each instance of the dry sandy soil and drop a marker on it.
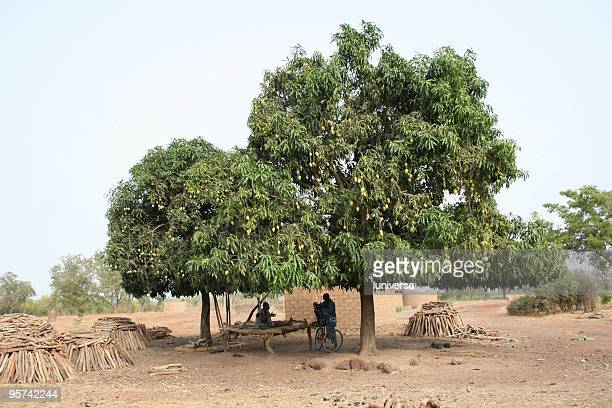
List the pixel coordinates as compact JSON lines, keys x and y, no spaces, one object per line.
{"x":543,"y":368}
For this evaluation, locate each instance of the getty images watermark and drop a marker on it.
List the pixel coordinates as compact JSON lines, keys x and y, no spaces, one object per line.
{"x":405,"y":270}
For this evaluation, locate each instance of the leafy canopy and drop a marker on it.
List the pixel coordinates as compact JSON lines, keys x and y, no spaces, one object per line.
{"x":587,"y":218}
{"x":152,"y":218}
{"x":526,"y":256}
{"x":587,"y":226}
{"x":263,"y":237}
{"x":389,"y":152}
{"x":13,"y":292}
{"x":192,"y":218}
{"x":74,"y":284}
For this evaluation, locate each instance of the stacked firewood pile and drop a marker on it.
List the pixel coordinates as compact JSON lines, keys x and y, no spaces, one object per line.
{"x":158,"y":332}
{"x":478,"y":333}
{"x":94,"y":351}
{"x":435,"y":319}
{"x":129,"y":334}
{"x":27,"y":325}
{"x":30,"y":352}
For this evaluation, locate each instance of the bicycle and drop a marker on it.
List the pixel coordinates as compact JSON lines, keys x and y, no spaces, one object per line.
{"x":322,"y":341}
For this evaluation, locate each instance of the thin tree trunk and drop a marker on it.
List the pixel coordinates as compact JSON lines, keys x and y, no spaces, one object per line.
{"x":367,"y":329}
{"x":205,"y":317}
{"x":257,"y":306}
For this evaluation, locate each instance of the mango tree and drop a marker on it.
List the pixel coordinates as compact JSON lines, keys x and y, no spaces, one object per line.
{"x":263,"y":237}
{"x":388,"y":152}
{"x":151,"y":222}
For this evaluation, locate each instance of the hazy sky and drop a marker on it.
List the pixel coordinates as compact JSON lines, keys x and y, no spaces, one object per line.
{"x":86,"y":88}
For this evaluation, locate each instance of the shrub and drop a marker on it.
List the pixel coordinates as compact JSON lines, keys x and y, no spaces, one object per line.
{"x":531,"y":305}
{"x":571,"y":292}
{"x":564,"y":292}
{"x":605,"y":298}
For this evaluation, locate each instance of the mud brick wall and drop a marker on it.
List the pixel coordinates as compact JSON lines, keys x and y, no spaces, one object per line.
{"x":298,"y":305}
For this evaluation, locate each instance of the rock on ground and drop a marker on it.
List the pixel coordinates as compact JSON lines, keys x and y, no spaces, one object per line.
{"x":316,"y":363}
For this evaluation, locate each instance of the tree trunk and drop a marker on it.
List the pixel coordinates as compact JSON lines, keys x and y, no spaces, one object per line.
{"x":205,"y":317}
{"x":504,"y":294}
{"x":130,"y":305}
{"x":367,"y":329}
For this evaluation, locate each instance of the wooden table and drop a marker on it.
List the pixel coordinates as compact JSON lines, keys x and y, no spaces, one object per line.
{"x":267,"y":333}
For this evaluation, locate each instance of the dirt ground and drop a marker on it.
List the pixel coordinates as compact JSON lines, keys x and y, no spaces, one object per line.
{"x":543,"y":368}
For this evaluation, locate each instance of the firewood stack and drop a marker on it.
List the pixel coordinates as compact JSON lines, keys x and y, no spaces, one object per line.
{"x":30,"y":352}
{"x":23,"y":324}
{"x":479,"y":333}
{"x":158,"y":332}
{"x":95,"y":351}
{"x":131,"y":335}
{"x":435,"y":319}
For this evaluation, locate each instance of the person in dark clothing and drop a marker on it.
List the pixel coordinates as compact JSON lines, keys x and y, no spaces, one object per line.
{"x":317,"y":312}
{"x":264,"y":317}
{"x":328,"y":314}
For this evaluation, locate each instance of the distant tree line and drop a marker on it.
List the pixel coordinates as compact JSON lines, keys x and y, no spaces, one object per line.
{"x":79,"y":285}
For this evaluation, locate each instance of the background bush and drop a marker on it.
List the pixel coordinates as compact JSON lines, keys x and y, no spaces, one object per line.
{"x":531,"y":305}
{"x":571,"y":292}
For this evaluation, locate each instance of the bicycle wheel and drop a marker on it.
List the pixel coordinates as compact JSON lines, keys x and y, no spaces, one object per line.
{"x":329,"y":346}
{"x":319,"y":335}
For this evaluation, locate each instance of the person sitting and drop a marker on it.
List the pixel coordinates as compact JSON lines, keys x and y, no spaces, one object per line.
{"x":328,"y":313}
{"x":264,"y":317}
{"x":318,"y":316}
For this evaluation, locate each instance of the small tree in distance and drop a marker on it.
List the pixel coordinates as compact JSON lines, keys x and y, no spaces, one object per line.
{"x":110,"y":284}
{"x":587,"y":226}
{"x":13,"y":292}
{"x":73,"y":281}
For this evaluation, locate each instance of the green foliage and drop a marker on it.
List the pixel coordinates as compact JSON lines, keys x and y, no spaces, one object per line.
{"x":14,"y":293}
{"x":531,"y":305}
{"x":262,"y":237}
{"x":587,"y":218}
{"x":73,"y":281}
{"x":110,"y":283}
{"x":569,"y":292}
{"x":605,"y":298}
{"x":152,"y":219}
{"x":38,"y":307}
{"x":523,"y":256}
{"x":587,"y":226}
{"x":193,"y":217}
{"x":378,"y":148}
